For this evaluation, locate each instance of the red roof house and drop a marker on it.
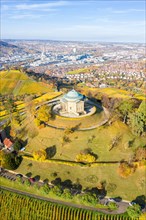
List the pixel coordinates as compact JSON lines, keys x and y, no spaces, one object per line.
{"x":8,"y":144}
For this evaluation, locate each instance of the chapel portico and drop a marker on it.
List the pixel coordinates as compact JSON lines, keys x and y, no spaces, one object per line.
{"x":72,"y":103}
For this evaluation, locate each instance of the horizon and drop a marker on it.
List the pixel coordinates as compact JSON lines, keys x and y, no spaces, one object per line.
{"x":68,"y":20}
{"x":75,"y":41}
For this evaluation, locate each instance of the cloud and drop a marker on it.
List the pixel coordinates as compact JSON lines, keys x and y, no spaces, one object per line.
{"x":38,"y":6}
{"x":22,"y":16}
{"x":126,"y":11}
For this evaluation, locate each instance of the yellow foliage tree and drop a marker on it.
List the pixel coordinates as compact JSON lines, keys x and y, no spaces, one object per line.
{"x":40,"y":155}
{"x":85,"y":158}
{"x":126,"y":169}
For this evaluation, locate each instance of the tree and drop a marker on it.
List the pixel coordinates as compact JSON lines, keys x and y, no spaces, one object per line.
{"x":112,"y":205}
{"x":134,"y":211}
{"x":88,"y":198}
{"x":65,"y":140}
{"x":125,"y":169}
{"x":140,"y":153}
{"x":9,"y":161}
{"x":137,"y":120}
{"x":57,"y":190}
{"x":69,"y":130}
{"x":67,"y":194}
{"x":111,"y":187}
{"x":40,"y":155}
{"x":124,"y":108}
{"x":17,"y":145}
{"x":10,"y":107}
{"x":45,"y":189}
{"x":43,"y":113}
{"x":85,"y":158}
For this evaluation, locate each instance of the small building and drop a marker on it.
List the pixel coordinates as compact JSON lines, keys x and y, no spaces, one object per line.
{"x":8,"y":144}
{"x":73,"y":103}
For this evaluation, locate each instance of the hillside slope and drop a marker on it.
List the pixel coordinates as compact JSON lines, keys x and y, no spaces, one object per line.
{"x":18,"y":83}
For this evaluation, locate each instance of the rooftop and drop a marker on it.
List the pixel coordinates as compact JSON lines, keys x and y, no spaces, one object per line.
{"x":73,"y":96}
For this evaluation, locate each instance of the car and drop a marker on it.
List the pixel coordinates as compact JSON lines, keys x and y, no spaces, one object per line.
{"x":22,"y":149}
{"x":32,"y":180}
{"x":132,"y":203}
{"x":19,"y":175}
{"x":111,"y":200}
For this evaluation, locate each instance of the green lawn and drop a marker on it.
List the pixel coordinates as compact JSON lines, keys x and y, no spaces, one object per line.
{"x":83,"y":122}
{"x":80,"y":140}
{"x":127,"y":188}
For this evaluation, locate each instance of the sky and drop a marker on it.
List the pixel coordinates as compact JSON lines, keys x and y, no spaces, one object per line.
{"x":74,"y":20}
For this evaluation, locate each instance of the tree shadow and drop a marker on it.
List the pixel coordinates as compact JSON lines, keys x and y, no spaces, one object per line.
{"x":141,"y":200}
{"x":75,"y":128}
{"x":37,"y":178}
{"x":29,"y":174}
{"x":67,"y":183}
{"x":57,"y":181}
{"x":118,"y":199}
{"x":98,"y":192}
{"x":77,"y":186}
{"x":51,"y":151}
{"x":45,"y":181}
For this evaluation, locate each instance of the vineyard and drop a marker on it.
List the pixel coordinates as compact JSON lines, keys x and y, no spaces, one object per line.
{"x":16,"y":207}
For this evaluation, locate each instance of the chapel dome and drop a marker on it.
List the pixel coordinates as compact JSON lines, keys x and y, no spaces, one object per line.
{"x":73,"y":95}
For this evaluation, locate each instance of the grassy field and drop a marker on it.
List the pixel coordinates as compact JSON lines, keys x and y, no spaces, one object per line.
{"x":18,"y":83}
{"x":79,"y":140}
{"x":78,"y":71}
{"x":128,"y":188}
{"x":83,"y":122}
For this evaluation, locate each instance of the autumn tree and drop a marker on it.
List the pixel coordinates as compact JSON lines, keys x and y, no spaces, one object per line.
{"x":140,"y":153}
{"x":90,"y":158}
{"x":40,"y":155}
{"x":10,"y":107}
{"x":43,"y":113}
{"x":125,"y":169}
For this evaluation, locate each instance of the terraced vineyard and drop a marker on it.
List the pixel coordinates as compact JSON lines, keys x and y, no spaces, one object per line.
{"x":18,"y":83}
{"x":16,"y":206}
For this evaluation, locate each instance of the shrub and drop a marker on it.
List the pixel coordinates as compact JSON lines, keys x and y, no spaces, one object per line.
{"x":91,"y":179}
{"x":67,"y":194}
{"x":111,"y":187}
{"x":85,"y":158}
{"x":112,"y":205}
{"x":88,"y":198}
{"x":134,"y":211}
{"x":45,"y":189}
{"x":57,"y":190}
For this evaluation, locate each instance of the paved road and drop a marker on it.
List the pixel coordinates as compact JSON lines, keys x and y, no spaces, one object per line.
{"x":65,"y":203}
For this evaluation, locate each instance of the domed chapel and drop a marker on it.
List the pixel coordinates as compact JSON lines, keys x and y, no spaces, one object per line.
{"x":73,"y":103}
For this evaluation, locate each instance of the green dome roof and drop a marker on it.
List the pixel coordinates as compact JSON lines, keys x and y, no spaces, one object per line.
{"x":73,"y":96}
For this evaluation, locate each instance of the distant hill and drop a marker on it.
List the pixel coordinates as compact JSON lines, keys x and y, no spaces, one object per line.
{"x":8,"y":48}
{"x":7,"y":45}
{"x":18,"y":83}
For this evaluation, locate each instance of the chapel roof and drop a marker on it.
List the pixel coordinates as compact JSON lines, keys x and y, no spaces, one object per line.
{"x":73,"y":95}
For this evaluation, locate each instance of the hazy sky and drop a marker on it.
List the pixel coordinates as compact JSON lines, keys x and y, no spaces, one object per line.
{"x":88,"y":20}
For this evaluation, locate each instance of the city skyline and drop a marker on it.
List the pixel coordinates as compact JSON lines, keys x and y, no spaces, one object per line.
{"x":109,"y":21}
